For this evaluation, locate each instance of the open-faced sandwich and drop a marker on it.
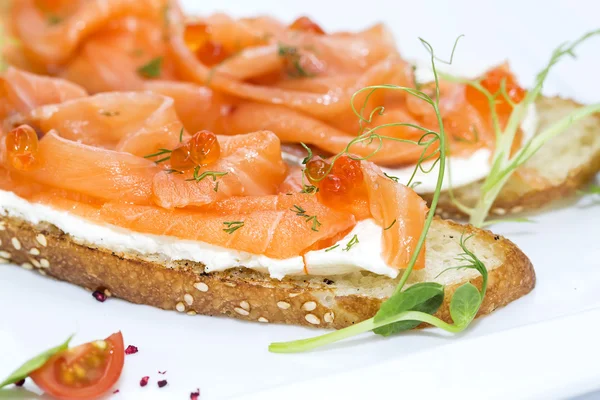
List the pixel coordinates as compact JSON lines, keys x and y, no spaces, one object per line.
{"x":152,"y":168}
{"x":299,"y":81}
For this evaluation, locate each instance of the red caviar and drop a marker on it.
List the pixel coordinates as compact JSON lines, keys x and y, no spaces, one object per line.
{"x":308,"y":25}
{"x":201,"y":150}
{"x":198,"y":39}
{"x":492,"y":81}
{"x":343,"y":186}
{"x":21,"y":147}
{"x":196,"y":35}
{"x":211,"y":53}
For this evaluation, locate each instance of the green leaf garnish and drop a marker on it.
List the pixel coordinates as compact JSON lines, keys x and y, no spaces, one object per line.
{"x":152,"y":68}
{"x":233,"y":226}
{"x":593,"y":189}
{"x":425,"y":297}
{"x":35,"y":363}
{"x":181,"y":135}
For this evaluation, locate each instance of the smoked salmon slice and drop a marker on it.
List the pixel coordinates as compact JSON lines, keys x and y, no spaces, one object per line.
{"x":93,"y":171}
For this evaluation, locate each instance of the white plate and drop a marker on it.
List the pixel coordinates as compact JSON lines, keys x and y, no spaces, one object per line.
{"x":543,"y":345}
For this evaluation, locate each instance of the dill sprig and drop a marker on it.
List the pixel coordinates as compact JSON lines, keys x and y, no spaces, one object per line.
{"x":151,"y":69}
{"x":292,"y":55}
{"x":232,"y":226}
{"x":354,"y":241}
{"x":309,"y":218}
{"x":159,"y":153}
{"x":200,"y":176}
{"x":332,"y":248}
{"x":392,"y":224}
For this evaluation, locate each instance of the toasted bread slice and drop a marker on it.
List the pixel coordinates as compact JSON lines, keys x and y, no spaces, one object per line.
{"x":558,"y":169}
{"x":318,"y":301}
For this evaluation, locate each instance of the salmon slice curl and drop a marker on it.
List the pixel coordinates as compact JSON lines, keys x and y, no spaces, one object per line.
{"x":250,"y":165}
{"x":21,"y":92}
{"x":401,"y":212}
{"x":132,"y":122}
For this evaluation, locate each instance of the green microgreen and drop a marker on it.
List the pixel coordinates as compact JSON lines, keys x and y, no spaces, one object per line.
{"x":35,"y":363}
{"x":353,"y":242}
{"x":232,"y":226}
{"x":152,"y":68}
{"x":309,"y":153}
{"x":504,"y":161}
{"x":394,"y":178}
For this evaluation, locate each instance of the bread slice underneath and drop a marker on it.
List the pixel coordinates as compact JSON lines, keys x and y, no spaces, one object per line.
{"x":558,"y":169}
{"x":318,"y":301}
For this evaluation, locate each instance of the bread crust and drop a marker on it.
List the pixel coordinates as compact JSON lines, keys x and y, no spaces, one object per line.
{"x":519,"y":195}
{"x":238,"y":293}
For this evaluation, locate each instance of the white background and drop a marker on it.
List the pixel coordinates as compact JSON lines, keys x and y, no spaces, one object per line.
{"x":544,"y":345}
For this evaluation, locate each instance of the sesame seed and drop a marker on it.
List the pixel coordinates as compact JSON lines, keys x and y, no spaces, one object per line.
{"x":180,"y":307}
{"x":313,"y":319}
{"x":230,"y":284}
{"x":2,"y":226}
{"x":516,"y":209}
{"x":16,"y":244}
{"x":201,"y":286}
{"x":241,"y":311}
{"x":245,"y":305}
{"x":191,"y":312}
{"x":4,"y":261}
{"x":27,"y":265}
{"x":283,"y":305}
{"x":42,"y":272}
{"x":499,"y":211}
{"x":292,"y":295}
{"x":34,"y":251}
{"x":309,"y":306}
{"x":5,"y":254}
{"x":328,"y":317}
{"x":44,"y":263}
{"x":35,"y":263}
{"x":262,"y":319}
{"x":107,"y":292}
{"x":189,"y":300}
{"x":41,"y":239}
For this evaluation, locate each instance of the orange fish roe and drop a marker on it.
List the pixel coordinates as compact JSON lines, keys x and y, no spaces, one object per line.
{"x":22,"y":147}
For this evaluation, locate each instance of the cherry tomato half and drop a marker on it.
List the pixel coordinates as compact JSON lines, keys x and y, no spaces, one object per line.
{"x":84,"y":372}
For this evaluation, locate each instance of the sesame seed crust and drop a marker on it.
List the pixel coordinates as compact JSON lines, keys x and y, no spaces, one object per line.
{"x":239,"y":293}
